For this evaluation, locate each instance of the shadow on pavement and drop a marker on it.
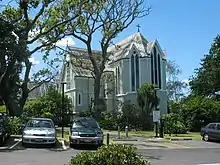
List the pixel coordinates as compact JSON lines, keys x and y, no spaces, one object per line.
{"x":85,"y":147}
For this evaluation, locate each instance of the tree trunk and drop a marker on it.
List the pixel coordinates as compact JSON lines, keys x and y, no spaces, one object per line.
{"x":99,"y":104}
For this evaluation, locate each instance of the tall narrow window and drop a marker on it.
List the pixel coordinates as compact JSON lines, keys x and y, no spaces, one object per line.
{"x":137,"y":70}
{"x":116,"y":81}
{"x":159,"y":70}
{"x":132,"y":74}
{"x":79,"y":99}
{"x":152,"y":68}
{"x":118,"y":85}
{"x":68,"y":76}
{"x":155,"y":66}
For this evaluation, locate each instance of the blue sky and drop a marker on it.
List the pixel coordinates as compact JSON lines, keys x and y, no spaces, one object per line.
{"x":185,"y":29}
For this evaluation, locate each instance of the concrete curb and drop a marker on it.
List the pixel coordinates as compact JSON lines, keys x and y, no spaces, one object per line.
{"x":124,"y":139}
{"x":180,"y":139}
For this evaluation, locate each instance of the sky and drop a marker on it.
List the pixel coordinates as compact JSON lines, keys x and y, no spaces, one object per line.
{"x":185,"y":29}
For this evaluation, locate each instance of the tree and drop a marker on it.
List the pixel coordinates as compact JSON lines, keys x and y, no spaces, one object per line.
{"x":147,"y":100}
{"x":110,"y":17}
{"x":49,"y":105}
{"x":19,"y":31}
{"x":206,"y":80}
{"x":199,"y":111}
{"x":175,"y":86}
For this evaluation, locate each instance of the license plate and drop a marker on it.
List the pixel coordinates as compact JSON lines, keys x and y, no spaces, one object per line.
{"x":38,"y":140}
{"x":87,"y":141}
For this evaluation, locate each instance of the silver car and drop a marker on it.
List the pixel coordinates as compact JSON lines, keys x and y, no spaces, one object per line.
{"x":39,"y":131}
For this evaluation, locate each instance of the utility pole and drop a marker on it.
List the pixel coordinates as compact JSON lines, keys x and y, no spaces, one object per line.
{"x":63,"y":107}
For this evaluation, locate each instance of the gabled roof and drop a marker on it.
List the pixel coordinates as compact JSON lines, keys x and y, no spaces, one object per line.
{"x":122,"y":48}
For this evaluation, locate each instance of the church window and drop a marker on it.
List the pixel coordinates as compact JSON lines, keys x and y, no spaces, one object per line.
{"x":132,"y":74}
{"x":159,"y":70}
{"x":152,"y":69}
{"x":118,"y":85}
{"x":67,"y":76}
{"x":137,"y":70}
{"x":79,"y":99}
{"x":155,"y":66}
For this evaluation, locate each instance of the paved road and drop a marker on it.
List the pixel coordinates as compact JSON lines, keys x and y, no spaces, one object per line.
{"x":183,"y":156}
{"x":38,"y":156}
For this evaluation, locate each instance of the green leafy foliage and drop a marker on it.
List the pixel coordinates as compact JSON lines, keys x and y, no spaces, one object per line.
{"x":113,"y":154}
{"x":3,"y":108}
{"x":49,"y":105}
{"x":174,"y":124}
{"x":206,"y":80}
{"x":199,"y":111}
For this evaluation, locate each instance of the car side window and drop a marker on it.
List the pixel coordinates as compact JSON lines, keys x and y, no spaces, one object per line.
{"x":218,"y":127}
{"x":211,"y":126}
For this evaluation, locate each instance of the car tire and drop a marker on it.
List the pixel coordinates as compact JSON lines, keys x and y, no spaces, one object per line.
{"x":205,"y":137}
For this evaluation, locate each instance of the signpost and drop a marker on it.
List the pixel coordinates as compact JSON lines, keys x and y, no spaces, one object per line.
{"x":156,"y":119}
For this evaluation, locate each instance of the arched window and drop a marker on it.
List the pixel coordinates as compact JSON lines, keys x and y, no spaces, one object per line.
{"x":159,"y":70}
{"x":155,"y":66}
{"x":132,"y":74}
{"x":137,"y":70}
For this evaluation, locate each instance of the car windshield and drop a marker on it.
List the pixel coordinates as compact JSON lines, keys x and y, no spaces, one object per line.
{"x":88,"y":123}
{"x":35,"y":123}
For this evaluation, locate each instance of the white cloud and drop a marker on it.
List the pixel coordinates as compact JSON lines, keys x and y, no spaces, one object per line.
{"x":34,"y":61}
{"x":63,"y":42}
{"x":186,"y":81}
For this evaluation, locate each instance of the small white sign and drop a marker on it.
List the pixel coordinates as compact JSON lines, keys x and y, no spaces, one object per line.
{"x":156,"y":116}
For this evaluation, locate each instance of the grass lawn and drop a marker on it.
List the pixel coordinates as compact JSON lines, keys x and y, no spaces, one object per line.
{"x":147,"y":134}
{"x":150,"y":134}
{"x":193,"y":135}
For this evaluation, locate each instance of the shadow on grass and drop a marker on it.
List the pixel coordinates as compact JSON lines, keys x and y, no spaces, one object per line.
{"x":85,"y":147}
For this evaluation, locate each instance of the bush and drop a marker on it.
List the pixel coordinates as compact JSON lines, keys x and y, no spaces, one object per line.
{"x":114,"y":154}
{"x":174,"y":124}
{"x":14,"y":125}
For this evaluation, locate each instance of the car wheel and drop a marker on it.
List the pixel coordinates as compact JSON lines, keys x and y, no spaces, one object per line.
{"x":206,"y":137}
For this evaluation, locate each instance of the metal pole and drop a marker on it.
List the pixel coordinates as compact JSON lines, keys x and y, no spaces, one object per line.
{"x":107,"y":140}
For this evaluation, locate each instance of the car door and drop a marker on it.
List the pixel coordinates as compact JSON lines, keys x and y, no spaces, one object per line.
{"x":212,"y":131}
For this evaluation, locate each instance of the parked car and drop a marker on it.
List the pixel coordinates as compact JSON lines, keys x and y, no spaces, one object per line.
{"x":211,"y":132}
{"x":85,"y":130}
{"x":3,"y":128}
{"x":39,"y":131}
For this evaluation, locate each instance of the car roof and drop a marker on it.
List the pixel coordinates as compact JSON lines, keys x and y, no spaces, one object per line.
{"x":40,"y":118}
{"x":83,"y":118}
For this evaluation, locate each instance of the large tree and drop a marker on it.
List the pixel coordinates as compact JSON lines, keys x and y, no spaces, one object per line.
{"x":175,"y":86}
{"x":206,"y":80}
{"x":23,"y":25}
{"x":108,"y":17}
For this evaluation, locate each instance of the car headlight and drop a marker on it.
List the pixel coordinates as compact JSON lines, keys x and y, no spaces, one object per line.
{"x":75,"y":133}
{"x":99,"y":134}
{"x":51,"y":135}
{"x":27,"y":134}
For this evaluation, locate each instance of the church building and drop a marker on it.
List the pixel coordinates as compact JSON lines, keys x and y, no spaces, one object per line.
{"x":132,"y":62}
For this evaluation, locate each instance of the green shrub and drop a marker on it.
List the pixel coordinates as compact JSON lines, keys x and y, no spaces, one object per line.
{"x":114,"y":154}
{"x":174,"y":124}
{"x":14,"y":125}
